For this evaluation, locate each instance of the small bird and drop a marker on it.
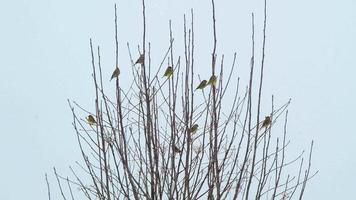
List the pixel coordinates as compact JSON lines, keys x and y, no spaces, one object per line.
{"x":168,"y":72}
{"x":202,"y":85}
{"x":193,"y":129}
{"x":140,"y":60}
{"x":266,"y":122}
{"x":176,"y":149}
{"x":115,"y":73}
{"x":212,"y":80}
{"x":91,"y":120}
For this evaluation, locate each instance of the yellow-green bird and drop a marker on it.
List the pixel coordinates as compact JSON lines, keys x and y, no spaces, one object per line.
{"x":202,"y":85}
{"x":168,"y":72}
{"x":266,"y":122}
{"x":115,"y":73}
{"x":140,"y":60}
{"x":212,"y":80}
{"x":193,"y":129}
{"x":91,"y":120}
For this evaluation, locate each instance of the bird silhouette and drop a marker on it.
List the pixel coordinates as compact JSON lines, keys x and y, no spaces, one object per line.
{"x":176,"y":149}
{"x":115,"y":73}
{"x":266,"y":122}
{"x":140,"y":60}
{"x":202,"y":85}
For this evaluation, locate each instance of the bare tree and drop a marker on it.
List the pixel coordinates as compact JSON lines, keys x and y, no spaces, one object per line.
{"x":168,"y":138}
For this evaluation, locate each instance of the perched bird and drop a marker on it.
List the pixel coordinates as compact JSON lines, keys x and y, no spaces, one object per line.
{"x":193,"y":129}
{"x":91,"y":120}
{"x":168,"y":72}
{"x":176,"y":149}
{"x":140,"y":60}
{"x":202,"y":85}
{"x":212,"y":80}
{"x":266,"y":122}
{"x":115,"y":73}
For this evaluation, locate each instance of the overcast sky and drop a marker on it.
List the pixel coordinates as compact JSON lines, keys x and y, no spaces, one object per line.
{"x":45,"y":59}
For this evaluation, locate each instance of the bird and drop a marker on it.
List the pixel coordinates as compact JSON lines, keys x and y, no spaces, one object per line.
{"x":193,"y":129}
{"x":212,"y":80}
{"x":202,"y":85}
{"x":140,"y":60}
{"x":91,"y":120}
{"x":168,"y":72}
{"x":266,"y":122}
{"x":115,"y":73}
{"x":176,"y":149}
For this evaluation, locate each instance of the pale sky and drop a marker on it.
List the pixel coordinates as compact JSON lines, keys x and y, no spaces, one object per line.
{"x":45,"y":59}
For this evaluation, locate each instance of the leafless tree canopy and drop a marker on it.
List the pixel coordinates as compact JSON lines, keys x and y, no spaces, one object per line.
{"x":164,"y":138}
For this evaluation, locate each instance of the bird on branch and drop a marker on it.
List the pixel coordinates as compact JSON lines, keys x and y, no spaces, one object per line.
{"x":140,"y":60}
{"x":115,"y":73}
{"x":202,"y":85}
{"x":91,"y":120}
{"x":266,"y":122}
{"x":212,"y":80}
{"x":193,"y":129}
{"x":168,"y":72}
